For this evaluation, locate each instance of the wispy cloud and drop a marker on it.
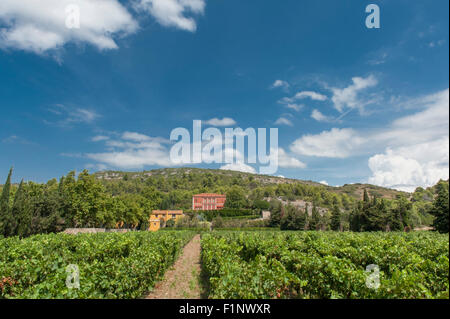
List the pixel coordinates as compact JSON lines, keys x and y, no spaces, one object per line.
{"x":69,"y":116}
{"x":283,"y":121}
{"x":133,"y":150}
{"x":14,"y":139}
{"x":310,"y":94}
{"x":226,"y":121}
{"x":99,"y":138}
{"x":318,"y":116}
{"x":294,"y":106}
{"x":303,"y":95}
{"x":280,"y":84}
{"x":173,"y":13}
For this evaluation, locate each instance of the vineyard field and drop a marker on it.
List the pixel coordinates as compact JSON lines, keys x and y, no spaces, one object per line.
{"x":111,"y":265}
{"x":236,"y":264}
{"x":326,"y":265}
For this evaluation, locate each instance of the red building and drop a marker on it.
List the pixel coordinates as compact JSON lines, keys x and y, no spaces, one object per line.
{"x":208,"y":201}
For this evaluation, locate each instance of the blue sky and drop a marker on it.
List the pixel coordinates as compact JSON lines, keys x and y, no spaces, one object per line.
{"x":352,"y":104}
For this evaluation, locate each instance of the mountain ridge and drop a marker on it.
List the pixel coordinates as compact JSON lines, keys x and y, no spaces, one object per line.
{"x":355,"y":190}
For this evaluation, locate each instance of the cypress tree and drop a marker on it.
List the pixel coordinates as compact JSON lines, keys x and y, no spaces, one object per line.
{"x":315,"y":218}
{"x":355,"y":219}
{"x":335,"y":217}
{"x":276,"y":211}
{"x":366,"y":198}
{"x":307,"y":219}
{"x":441,"y":208}
{"x":396,"y":222}
{"x":22,"y":212}
{"x":4,"y":205}
{"x":15,"y":211}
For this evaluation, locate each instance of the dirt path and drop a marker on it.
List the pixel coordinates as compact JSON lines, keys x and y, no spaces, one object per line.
{"x":183,"y":279}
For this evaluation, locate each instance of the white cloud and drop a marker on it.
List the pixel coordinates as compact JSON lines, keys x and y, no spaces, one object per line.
{"x":310,"y":94}
{"x":226,"y":121}
{"x":172,"y":13}
{"x":290,"y":101}
{"x":417,"y":147}
{"x":143,"y":150}
{"x":408,"y":167}
{"x":336,"y":143}
{"x":426,"y":125}
{"x":283,"y":121}
{"x":318,"y":116}
{"x":137,"y":137}
{"x":409,"y":152}
{"x":133,"y":158}
{"x":324,"y":183}
{"x":239,"y":166}
{"x":40,"y":26}
{"x":287,"y":161}
{"x":280,"y":84}
{"x":348,"y":97}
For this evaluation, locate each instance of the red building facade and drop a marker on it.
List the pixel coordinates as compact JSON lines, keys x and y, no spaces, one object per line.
{"x":208,"y":201}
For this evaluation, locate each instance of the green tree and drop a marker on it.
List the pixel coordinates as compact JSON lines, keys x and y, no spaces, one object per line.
{"x":441,"y":208}
{"x":276,"y":208}
{"x":314,"y":222}
{"x":335,"y":217}
{"x":356,"y":217}
{"x":366,"y":198}
{"x":5,"y":216}
{"x":396,"y":221}
{"x":23,"y":210}
{"x":293,"y":219}
{"x":235,"y":198}
{"x":18,"y":212}
{"x":403,"y":210}
{"x":261,"y":204}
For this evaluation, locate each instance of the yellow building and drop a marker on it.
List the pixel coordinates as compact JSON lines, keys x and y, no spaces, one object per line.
{"x":158,"y":215}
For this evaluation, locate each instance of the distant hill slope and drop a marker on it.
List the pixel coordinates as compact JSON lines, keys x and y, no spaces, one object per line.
{"x":353,"y":190}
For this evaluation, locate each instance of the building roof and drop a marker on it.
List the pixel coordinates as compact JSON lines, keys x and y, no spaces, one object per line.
{"x":209,"y":195}
{"x":177,"y":212}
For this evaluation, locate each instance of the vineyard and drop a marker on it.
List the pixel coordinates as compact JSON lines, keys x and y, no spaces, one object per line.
{"x":111,"y":265}
{"x":326,"y":265}
{"x":236,"y":264}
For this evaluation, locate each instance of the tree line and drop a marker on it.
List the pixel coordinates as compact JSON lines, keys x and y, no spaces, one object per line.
{"x":87,"y":200}
{"x":368,"y":214}
{"x":73,"y":201}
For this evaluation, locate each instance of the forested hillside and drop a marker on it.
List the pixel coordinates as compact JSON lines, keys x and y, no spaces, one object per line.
{"x":125,"y":200}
